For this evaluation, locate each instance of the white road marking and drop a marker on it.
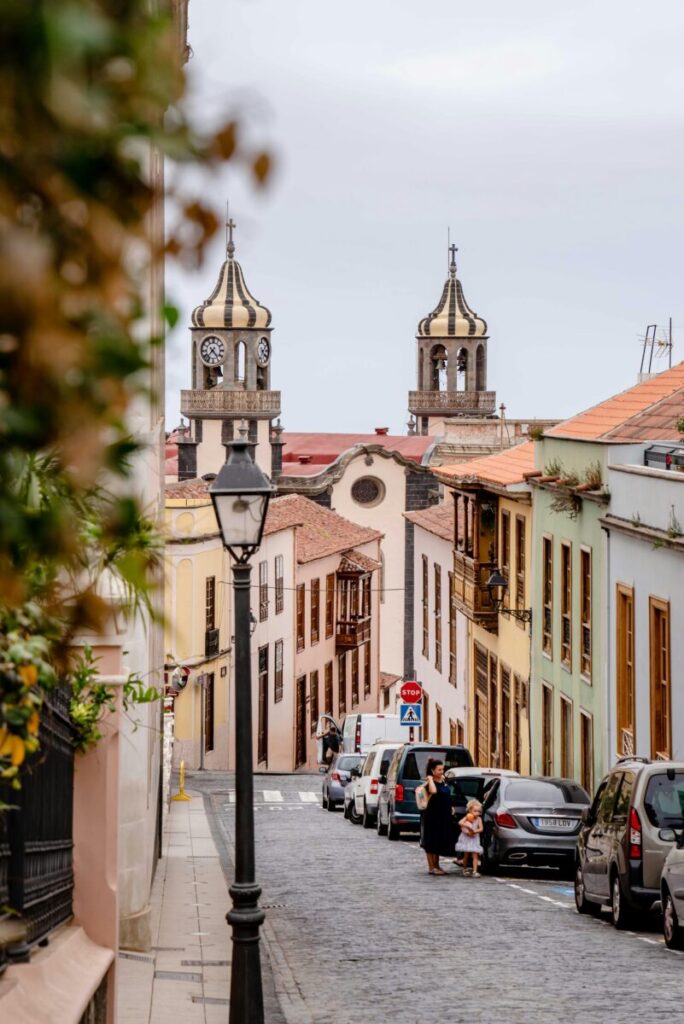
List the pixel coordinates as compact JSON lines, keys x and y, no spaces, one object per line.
{"x":308,"y":797}
{"x":272,"y":796}
{"x":275,"y":808}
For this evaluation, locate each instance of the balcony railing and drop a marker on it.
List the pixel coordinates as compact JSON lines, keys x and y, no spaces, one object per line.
{"x":460,"y":403}
{"x":352,"y":632}
{"x":36,"y":835}
{"x":626,"y":742}
{"x":470,"y":593}
{"x":211,"y":643}
{"x":217,"y":402}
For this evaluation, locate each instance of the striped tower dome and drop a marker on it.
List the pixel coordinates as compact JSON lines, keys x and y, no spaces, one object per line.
{"x":231,"y":303}
{"x":452,"y":317}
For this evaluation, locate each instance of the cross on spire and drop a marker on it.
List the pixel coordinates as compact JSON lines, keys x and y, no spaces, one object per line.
{"x":453,"y":249}
{"x":230,"y":224}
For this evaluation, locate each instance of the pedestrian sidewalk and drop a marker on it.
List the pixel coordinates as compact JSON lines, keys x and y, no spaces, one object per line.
{"x":186,"y":975}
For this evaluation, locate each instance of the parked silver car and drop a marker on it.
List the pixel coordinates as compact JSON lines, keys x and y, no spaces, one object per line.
{"x":532,"y":821}
{"x":672,"y":892}
{"x":337,"y":777}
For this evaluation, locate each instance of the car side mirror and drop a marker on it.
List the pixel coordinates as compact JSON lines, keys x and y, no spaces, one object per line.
{"x":668,"y":835}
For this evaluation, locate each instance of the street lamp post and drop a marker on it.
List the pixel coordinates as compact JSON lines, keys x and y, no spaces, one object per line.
{"x":240,"y":494}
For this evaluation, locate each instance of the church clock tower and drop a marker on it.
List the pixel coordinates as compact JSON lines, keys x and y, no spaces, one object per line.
{"x":452,"y":361}
{"x":231,"y":374}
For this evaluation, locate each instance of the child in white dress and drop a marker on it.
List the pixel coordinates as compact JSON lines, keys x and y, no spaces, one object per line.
{"x":469,"y":840}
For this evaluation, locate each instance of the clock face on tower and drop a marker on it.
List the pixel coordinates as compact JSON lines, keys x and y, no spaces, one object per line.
{"x":263,"y":351}
{"x":212,"y":351}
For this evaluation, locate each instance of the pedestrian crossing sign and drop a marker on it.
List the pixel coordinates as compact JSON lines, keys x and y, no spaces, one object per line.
{"x":410,"y":714}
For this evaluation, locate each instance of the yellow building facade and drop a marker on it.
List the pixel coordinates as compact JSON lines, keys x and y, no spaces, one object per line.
{"x":494,"y":535}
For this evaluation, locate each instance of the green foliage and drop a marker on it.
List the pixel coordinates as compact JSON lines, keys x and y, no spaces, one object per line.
{"x":553,"y":468}
{"x":679,"y":426}
{"x":90,"y":699}
{"x":593,"y":475}
{"x":91,"y":101}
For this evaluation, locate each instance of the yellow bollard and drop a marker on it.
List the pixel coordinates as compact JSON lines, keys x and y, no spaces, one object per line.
{"x":181,"y":794}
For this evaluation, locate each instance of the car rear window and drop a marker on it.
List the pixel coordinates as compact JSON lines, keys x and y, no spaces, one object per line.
{"x":348,"y":762}
{"x":532,"y":791}
{"x":664,"y":800}
{"x":416,"y":761}
{"x":465,"y":789}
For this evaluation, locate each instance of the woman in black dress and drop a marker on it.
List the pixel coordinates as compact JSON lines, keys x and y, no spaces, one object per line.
{"x":436,"y":833}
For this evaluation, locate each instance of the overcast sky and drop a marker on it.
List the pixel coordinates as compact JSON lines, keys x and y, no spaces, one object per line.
{"x":547,"y":135}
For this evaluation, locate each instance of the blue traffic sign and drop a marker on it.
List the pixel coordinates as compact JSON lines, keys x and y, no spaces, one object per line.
{"x":410,"y":714}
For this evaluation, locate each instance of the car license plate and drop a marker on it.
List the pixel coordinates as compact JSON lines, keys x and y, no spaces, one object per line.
{"x":562,"y":824}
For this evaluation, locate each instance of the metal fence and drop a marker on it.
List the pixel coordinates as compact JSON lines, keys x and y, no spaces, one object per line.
{"x":36,"y":836}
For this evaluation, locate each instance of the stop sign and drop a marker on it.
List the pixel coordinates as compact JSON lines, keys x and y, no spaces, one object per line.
{"x":411,"y":692}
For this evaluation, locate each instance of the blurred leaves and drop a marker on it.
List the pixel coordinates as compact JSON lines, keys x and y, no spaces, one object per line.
{"x":91,"y":102}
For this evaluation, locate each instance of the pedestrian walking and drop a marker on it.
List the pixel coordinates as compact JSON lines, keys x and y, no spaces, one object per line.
{"x":331,"y":743}
{"x":469,"y":840}
{"x":436,"y":835}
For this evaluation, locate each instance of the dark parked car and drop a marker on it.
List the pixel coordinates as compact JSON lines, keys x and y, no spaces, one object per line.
{"x":397,"y":811}
{"x":336,"y":778}
{"x":532,"y":821}
{"x":626,"y":836}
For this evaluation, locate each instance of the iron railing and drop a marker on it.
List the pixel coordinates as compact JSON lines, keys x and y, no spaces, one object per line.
{"x":211,"y":643}
{"x":36,"y":834}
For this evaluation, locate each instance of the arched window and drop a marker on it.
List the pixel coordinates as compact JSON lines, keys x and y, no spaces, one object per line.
{"x":480,"y":383}
{"x":438,"y":362}
{"x":461,"y":369}
{"x":240,"y":362}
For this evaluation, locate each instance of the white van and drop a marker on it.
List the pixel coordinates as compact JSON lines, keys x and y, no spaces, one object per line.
{"x":360,"y":732}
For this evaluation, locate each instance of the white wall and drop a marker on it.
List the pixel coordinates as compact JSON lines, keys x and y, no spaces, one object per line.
{"x":452,"y":699}
{"x":652,"y":495}
{"x":387,"y":517}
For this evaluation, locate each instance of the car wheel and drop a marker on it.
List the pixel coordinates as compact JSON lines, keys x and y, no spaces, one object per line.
{"x":584,"y":906}
{"x":324,"y":802}
{"x":347,"y":810}
{"x":672,"y":932}
{"x":353,"y":816}
{"x":367,"y":820}
{"x":380,"y":828}
{"x":620,"y":911}
{"x":392,"y":830}
{"x":331,"y":805}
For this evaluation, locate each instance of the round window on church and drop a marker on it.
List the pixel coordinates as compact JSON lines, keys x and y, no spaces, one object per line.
{"x":368,"y":490}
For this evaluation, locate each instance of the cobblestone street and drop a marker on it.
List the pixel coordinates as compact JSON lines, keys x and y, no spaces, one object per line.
{"x":358,"y":931}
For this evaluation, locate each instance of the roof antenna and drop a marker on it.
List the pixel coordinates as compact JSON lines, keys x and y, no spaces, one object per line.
{"x":230,"y":224}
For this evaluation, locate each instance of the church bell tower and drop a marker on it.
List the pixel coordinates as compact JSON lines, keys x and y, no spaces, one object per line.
{"x":231,"y":374}
{"x":452,"y":361}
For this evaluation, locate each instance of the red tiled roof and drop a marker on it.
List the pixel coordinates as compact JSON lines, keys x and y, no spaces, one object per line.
{"x":504,"y":468}
{"x":602,"y":421}
{"x":188,"y":489}
{"x":355,"y":561}
{"x":320,"y":532}
{"x":323,"y":449}
{"x":437,"y":519}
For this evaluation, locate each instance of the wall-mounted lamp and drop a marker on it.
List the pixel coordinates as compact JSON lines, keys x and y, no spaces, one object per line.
{"x":498,"y":583}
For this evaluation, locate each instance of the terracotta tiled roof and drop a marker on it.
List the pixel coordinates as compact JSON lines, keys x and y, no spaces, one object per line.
{"x":387,"y":678}
{"x":320,"y":531}
{"x":657,"y":423}
{"x":438,"y":519}
{"x":188,"y":489}
{"x":503,"y":469}
{"x":322,"y":449}
{"x":604,"y":420}
{"x":355,"y":561}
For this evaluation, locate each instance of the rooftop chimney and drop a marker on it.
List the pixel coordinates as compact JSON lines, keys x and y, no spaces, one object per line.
{"x":382,"y":431}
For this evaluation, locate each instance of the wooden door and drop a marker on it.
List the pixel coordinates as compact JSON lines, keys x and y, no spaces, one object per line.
{"x":300,"y":723}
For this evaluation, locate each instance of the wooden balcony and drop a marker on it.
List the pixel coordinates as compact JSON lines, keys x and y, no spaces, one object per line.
{"x":470,"y":594}
{"x":352,"y":633}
